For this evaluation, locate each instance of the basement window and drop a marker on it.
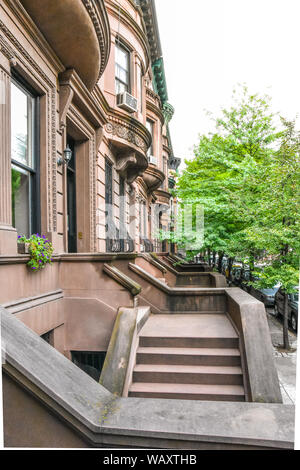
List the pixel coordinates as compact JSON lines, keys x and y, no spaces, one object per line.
{"x":48,"y":337}
{"x":90,"y":362}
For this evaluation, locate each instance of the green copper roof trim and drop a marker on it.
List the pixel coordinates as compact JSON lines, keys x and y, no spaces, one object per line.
{"x":168,"y":111}
{"x":160,"y":84}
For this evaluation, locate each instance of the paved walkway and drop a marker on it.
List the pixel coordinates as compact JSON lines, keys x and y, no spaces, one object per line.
{"x":285,"y":361}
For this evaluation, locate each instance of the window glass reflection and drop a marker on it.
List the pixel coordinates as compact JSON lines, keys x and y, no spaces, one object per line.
{"x":21,"y":126}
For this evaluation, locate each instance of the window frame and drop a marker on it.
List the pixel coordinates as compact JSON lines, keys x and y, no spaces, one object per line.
{"x":34,"y":171}
{"x":120,"y":44}
{"x":150,"y":150}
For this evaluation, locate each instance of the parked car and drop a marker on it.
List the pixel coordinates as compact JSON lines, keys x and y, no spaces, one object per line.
{"x":267,"y":296}
{"x":293,"y":301}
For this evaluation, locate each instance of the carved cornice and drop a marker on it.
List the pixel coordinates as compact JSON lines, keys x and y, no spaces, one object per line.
{"x":150,"y":19}
{"x":162,"y":196}
{"x":7,"y":51}
{"x":129,"y":130}
{"x":153,"y":104}
{"x":153,"y":177}
{"x":153,"y":96}
{"x":87,"y":52}
{"x":168,"y":111}
{"x":98,"y":15}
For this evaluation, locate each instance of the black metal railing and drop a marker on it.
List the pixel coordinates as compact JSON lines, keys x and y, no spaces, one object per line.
{"x":147,"y":245}
{"x":115,"y":244}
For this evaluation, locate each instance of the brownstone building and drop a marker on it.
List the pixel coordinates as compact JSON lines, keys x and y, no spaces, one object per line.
{"x":86,"y":161}
{"x":88,"y":77}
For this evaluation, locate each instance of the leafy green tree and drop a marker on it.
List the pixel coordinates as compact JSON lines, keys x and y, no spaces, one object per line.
{"x":246,"y":175}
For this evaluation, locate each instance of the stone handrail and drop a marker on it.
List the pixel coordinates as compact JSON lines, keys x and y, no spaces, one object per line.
{"x":122,"y":279}
{"x":63,"y":392}
{"x":117,"y":368}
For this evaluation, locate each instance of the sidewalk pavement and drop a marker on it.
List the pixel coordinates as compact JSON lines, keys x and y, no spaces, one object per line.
{"x":284,"y":361}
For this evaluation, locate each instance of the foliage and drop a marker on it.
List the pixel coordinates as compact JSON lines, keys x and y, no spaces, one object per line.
{"x":246,"y":176}
{"x":40,"y":250}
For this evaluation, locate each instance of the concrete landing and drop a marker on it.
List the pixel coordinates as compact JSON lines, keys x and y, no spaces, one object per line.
{"x":189,"y":326}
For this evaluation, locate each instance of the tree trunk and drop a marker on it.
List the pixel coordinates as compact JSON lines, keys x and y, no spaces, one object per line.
{"x":286,"y":343}
{"x":209,"y":259}
{"x":251,"y":266}
{"x":230,"y":263}
{"x":214,"y":259}
{"x":221,"y":255}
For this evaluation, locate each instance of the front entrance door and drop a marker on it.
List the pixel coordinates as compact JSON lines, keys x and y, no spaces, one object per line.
{"x":71,"y":195}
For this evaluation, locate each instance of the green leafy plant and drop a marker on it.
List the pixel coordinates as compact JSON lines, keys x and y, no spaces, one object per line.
{"x":40,"y":250}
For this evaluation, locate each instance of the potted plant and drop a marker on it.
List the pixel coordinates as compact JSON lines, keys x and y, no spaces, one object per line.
{"x":39,"y":249}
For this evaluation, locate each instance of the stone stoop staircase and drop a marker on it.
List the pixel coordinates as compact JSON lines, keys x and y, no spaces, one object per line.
{"x":190,"y":357}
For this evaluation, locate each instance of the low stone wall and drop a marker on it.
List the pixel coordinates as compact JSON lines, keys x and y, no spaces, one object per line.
{"x":249,"y":317}
{"x":49,"y":402}
{"x":200,"y":280}
{"x":73,"y":298}
{"x":164,"y":299}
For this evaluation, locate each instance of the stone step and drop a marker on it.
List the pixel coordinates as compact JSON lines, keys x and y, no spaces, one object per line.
{"x":187,"y":374}
{"x":188,"y":391}
{"x":189,"y":356}
{"x":188,"y":342}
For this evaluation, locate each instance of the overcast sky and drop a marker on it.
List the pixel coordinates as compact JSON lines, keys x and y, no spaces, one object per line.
{"x":211,"y":45}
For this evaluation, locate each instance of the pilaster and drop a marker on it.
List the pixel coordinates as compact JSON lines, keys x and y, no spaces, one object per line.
{"x":8,"y":234}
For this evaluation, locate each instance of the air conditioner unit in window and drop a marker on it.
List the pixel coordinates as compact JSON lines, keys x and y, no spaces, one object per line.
{"x":127,"y":101}
{"x":152,"y":159}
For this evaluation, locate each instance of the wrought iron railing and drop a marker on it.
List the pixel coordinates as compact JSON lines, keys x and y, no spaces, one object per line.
{"x":115,"y":244}
{"x":147,"y":244}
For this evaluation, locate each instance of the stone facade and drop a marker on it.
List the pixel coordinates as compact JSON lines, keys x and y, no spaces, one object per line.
{"x":58,"y":79}
{"x":121,"y":169}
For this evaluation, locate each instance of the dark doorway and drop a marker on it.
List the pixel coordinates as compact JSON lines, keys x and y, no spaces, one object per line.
{"x":122,"y":214}
{"x":71,"y":195}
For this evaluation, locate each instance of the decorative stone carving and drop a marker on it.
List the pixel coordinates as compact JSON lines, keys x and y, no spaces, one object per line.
{"x":126,"y":160}
{"x":153,"y":178}
{"x":101,"y":25}
{"x":168,"y":112}
{"x":65,"y":98}
{"x":127,"y":134}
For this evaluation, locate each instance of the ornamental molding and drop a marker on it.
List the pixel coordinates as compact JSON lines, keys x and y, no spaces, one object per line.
{"x":153,"y":178}
{"x":136,"y":135}
{"x":20,"y":55}
{"x":102,"y":29}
